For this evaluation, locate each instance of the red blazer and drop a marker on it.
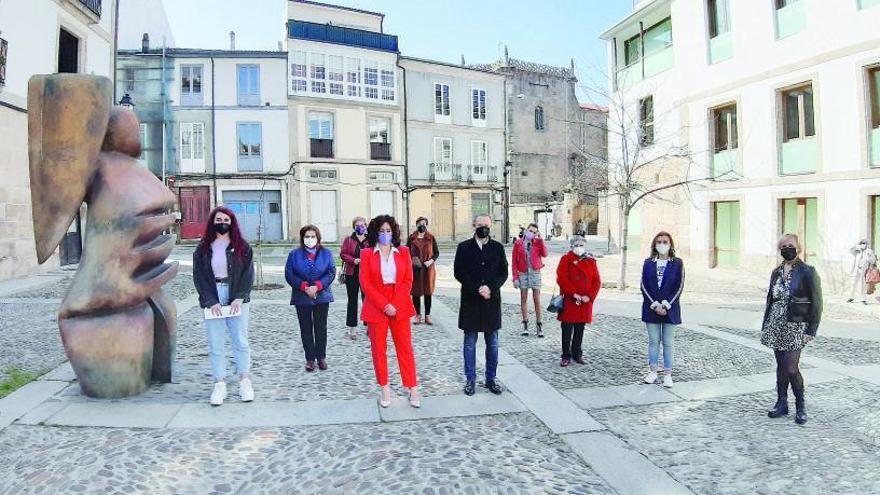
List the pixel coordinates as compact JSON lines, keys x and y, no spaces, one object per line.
{"x":520,"y":263}
{"x":577,"y":276}
{"x":376,"y":296}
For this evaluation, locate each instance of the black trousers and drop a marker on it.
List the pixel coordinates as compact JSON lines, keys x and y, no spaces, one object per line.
{"x":418,"y":305}
{"x":352,"y":288}
{"x":313,"y":330}
{"x":572,"y":337}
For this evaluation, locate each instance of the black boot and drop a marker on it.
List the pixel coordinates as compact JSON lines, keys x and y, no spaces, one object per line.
{"x":525,"y":332}
{"x":540,"y":330}
{"x":781,"y":407}
{"x":800,"y":415}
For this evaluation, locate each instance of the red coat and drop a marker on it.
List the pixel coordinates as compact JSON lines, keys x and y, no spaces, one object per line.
{"x":577,"y":276}
{"x":375,"y":294}
{"x":520,"y":263}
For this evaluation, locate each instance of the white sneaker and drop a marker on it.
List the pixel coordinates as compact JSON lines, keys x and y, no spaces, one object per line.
{"x":667,"y":380}
{"x":651,"y":377}
{"x":246,"y":389}
{"x":219,"y":394}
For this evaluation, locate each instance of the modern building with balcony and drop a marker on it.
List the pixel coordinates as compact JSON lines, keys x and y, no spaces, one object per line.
{"x":455,"y":145}
{"x":42,"y":37}
{"x":774,"y":108}
{"x":345,"y":122}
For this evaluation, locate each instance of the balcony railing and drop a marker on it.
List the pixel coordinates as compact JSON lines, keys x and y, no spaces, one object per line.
{"x":93,"y":5}
{"x":481,"y":173}
{"x":445,"y":172}
{"x":380,"y":151}
{"x":339,"y":35}
{"x":321,"y":148}
{"x":455,"y":172}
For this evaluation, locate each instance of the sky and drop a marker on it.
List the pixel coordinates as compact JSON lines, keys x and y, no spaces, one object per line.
{"x":550,"y":31}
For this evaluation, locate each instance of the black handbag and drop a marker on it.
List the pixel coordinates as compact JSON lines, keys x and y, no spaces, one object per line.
{"x":557,"y":302}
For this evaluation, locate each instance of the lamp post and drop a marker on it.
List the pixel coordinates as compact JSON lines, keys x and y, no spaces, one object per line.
{"x":507,"y":168}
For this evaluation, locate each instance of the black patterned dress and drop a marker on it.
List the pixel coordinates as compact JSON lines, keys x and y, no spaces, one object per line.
{"x":778,"y":333}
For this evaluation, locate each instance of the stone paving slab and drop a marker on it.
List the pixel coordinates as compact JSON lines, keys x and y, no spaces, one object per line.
{"x":41,"y":413}
{"x":26,"y":398}
{"x":841,"y":350}
{"x":621,"y":395}
{"x":498,"y":454}
{"x":276,"y":414}
{"x":729,"y":445}
{"x":450,"y":406}
{"x":63,"y":373}
{"x":626,"y":470}
{"x":114,"y":415}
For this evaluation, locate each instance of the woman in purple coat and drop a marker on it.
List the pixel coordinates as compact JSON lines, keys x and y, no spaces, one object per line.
{"x":662,"y":283}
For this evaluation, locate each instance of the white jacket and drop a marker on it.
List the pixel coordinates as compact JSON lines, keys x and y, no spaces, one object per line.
{"x":862,"y":259}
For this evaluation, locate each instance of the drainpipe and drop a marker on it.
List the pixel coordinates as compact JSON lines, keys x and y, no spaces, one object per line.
{"x":164,"y":118}
{"x":406,"y":190}
{"x":115,"y":45}
{"x":213,"y":134}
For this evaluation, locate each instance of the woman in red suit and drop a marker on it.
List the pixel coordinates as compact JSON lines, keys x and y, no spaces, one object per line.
{"x":386,"y":280}
{"x":578,"y":279}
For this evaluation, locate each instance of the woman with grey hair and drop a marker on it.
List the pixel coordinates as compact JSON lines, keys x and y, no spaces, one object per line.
{"x":791,"y":320}
{"x":863,"y":258}
{"x":578,"y":278}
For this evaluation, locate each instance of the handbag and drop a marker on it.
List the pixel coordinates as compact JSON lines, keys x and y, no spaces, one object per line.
{"x":342,"y":278}
{"x":557,"y":302}
{"x":872,"y":276}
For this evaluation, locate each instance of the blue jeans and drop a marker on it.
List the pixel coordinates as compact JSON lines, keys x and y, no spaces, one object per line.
{"x":237,"y":326}
{"x":656,"y":333}
{"x":470,"y":355}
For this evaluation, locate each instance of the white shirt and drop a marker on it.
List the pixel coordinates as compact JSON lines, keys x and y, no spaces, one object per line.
{"x":389,"y":266}
{"x":218,"y":257}
{"x":661,"y":269}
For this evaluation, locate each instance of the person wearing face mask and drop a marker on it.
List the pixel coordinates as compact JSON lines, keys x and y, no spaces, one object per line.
{"x":223,"y":273}
{"x":424,"y":251}
{"x":310,"y":272}
{"x":662,"y":284}
{"x":863,"y":259}
{"x":578,"y":278}
{"x":528,"y":259}
{"x":351,"y":260}
{"x":791,"y":320}
{"x":387,"y":279}
{"x":481,"y":269}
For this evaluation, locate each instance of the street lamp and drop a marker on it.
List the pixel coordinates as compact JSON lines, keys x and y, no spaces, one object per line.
{"x":127,"y":102}
{"x":507,"y":168}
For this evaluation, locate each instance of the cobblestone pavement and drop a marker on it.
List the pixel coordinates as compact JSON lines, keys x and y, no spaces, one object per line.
{"x":851,"y":352}
{"x":489,"y":454}
{"x":29,"y":338}
{"x":730,"y":446}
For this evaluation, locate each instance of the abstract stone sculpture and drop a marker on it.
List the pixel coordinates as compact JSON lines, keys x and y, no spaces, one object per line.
{"x":117,"y":325}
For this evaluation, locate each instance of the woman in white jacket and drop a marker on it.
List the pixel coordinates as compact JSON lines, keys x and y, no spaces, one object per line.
{"x":863,"y":258}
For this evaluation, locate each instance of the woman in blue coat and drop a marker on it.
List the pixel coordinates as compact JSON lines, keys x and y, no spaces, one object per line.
{"x":310,"y":271}
{"x":662,"y":283}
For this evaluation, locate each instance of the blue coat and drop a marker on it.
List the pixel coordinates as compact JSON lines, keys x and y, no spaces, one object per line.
{"x":669,"y":291}
{"x":300,"y":269}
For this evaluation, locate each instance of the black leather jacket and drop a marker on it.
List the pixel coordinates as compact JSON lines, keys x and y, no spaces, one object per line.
{"x":241,"y":275}
{"x":805,"y":303}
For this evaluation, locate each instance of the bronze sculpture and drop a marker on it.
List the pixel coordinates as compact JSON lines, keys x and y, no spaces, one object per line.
{"x":117,"y":325}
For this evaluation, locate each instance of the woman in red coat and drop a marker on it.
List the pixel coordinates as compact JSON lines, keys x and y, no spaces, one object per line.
{"x":578,"y":279}
{"x":386,"y":279}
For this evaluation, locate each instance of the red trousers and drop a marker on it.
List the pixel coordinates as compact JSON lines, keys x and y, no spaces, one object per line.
{"x":401,"y":333}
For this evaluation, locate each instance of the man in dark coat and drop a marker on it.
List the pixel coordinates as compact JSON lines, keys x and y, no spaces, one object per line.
{"x":481,"y":268}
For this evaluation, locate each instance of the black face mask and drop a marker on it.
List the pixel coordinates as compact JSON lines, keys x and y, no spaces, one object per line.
{"x":788,"y":253}
{"x":422,"y":229}
{"x":221,"y":228}
{"x":483,"y":232}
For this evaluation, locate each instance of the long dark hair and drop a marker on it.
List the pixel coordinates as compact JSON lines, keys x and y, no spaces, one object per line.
{"x":654,"y":253}
{"x":236,"y":240}
{"x":373,"y":230}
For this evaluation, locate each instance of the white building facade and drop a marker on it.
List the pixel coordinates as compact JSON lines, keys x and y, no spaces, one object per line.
{"x":455,"y":145}
{"x":345,"y":122}
{"x":777,"y":104}
{"x":41,"y":37}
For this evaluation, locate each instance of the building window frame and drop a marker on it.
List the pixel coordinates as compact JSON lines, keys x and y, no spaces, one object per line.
{"x":192,"y":147}
{"x":442,"y":103}
{"x":321,"y":134}
{"x":725,"y":130}
{"x":247,"y":78}
{"x":803,"y":103}
{"x":250,"y":154}
{"x":479,"y":158}
{"x":646,"y":121}
{"x":478,"y":107}
{"x":323,"y":174}
{"x":192,"y":85}
{"x":4,"y":54}
{"x":379,"y":129}
{"x":539,"y":118}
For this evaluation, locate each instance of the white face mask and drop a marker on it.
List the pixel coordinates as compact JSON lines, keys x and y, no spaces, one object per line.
{"x":579,"y":251}
{"x":310,"y":242}
{"x":663,"y":249}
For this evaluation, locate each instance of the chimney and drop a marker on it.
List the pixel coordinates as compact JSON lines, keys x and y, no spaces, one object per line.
{"x":232,"y":40}
{"x":280,"y":46}
{"x":145,"y":43}
{"x":462,"y":60}
{"x":506,"y":57}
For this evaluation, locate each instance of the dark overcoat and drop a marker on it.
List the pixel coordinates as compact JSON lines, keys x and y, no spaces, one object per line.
{"x":475,"y":267}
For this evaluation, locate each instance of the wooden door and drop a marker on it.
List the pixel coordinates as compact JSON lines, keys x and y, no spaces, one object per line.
{"x":727,"y":234}
{"x":322,"y":207}
{"x":195,"y":205}
{"x":443,"y":223}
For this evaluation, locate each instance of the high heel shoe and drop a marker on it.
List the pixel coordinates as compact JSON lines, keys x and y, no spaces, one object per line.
{"x":415,"y":400}
{"x":382,"y":400}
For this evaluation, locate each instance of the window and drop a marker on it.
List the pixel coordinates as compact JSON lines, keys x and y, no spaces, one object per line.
{"x":371,"y":79}
{"x":191,"y":85}
{"x":874,"y":85}
{"x":4,"y":51}
{"x":719,"y":17}
{"x":480,"y":204}
{"x":353,"y":76}
{"x":724,"y":120}
{"x":335,"y":75}
{"x":646,"y":121}
{"x":442,"y":150}
{"x":655,"y":39}
{"x":539,"y":118}
{"x":298,"y":72}
{"x":380,"y":143}
{"x":143,"y":142}
{"x":250,"y":146}
{"x":321,"y":134}
{"x":317,"y":173}
{"x":192,"y":147}
{"x":388,"y":84}
{"x":68,"y":53}
{"x":781,"y":4}
{"x":799,"y":120}
{"x":318,"y":70}
{"x":129,"y":80}
{"x":479,"y":157}
{"x":478,"y":104}
{"x":248,"y":85}
{"x":441,"y":102}
{"x":381,"y":176}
